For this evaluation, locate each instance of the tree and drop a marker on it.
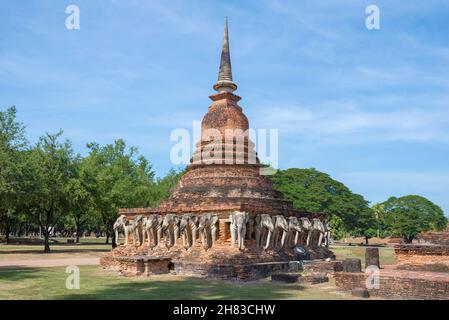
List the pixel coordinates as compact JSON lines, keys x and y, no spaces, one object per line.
{"x":407,"y":216}
{"x":117,"y":178}
{"x":12,"y":183}
{"x":80,"y":199}
{"x":164,"y":186}
{"x":314,"y":191}
{"x":51,"y":168}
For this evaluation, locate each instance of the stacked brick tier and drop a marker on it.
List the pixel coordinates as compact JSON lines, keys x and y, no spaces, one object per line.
{"x":225,"y":184}
{"x":220,"y":187}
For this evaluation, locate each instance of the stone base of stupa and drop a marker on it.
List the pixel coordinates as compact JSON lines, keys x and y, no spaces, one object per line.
{"x":220,"y":261}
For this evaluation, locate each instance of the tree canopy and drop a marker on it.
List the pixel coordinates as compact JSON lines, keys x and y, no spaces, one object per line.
{"x":409,"y":215}
{"x":315,"y":191}
{"x":12,"y":167}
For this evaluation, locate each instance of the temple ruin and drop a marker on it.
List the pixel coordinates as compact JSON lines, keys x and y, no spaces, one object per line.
{"x":224,"y":219}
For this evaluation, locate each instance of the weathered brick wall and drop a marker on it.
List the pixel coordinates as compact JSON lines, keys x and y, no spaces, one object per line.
{"x":399,"y":284}
{"x":125,"y":266}
{"x":137,"y":265}
{"x":441,"y":238}
{"x":239,"y":272}
{"x":423,"y":257}
{"x":327,"y":267}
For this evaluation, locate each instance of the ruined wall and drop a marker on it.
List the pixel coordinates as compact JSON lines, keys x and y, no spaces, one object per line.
{"x":423,"y":257}
{"x":244,"y":272}
{"x":136,"y":265}
{"x":399,"y":284}
{"x":439,"y":238}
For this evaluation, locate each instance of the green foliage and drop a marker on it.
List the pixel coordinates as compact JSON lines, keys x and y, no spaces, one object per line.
{"x":116,"y":177}
{"x":50,"y":165}
{"x":164,"y":186}
{"x":12,"y":165}
{"x":315,"y":191}
{"x":409,"y":215}
{"x":338,"y":228}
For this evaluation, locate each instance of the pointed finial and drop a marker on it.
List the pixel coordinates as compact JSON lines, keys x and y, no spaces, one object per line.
{"x":224,"y":83}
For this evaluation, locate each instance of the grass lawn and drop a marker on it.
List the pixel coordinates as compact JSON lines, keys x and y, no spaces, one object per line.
{"x":49,"y":283}
{"x":387,"y":255}
{"x":29,"y":249}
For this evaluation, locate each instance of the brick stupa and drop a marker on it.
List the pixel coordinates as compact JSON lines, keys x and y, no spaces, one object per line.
{"x":224,"y":176}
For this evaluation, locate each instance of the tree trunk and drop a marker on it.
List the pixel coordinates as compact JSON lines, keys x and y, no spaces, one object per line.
{"x":78,"y":231}
{"x":7,"y":237}
{"x":114,"y":240}
{"x":408,"y":239}
{"x":107,"y":237}
{"x":366,"y":240}
{"x":46,"y":242}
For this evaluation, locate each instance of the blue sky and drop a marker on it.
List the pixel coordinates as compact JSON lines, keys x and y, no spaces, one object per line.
{"x":369,"y":107}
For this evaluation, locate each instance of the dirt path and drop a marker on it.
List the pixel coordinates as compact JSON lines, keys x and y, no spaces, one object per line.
{"x":40,"y":263}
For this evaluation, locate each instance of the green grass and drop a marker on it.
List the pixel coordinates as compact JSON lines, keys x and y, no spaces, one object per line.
{"x":49,"y":283}
{"x":57,"y":245}
{"x":387,"y":255}
{"x":33,"y":249}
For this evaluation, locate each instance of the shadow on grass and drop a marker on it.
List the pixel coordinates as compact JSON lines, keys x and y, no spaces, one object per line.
{"x":53,"y":241}
{"x":18,"y":273}
{"x":187,"y":289}
{"x":41,"y":250}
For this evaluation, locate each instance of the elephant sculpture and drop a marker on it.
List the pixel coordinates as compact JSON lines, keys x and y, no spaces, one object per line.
{"x":170,"y":229}
{"x":137,"y":224}
{"x":306,"y":226}
{"x":122,"y":223}
{"x":280,"y":226}
{"x":188,"y":229}
{"x":294,"y":228}
{"x":263,"y":227}
{"x":238,"y":228}
{"x":318,"y":226}
{"x":327,"y":233}
{"x":150,"y":229}
{"x":208,"y":229}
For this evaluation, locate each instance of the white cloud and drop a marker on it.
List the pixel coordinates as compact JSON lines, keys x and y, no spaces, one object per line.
{"x":329,"y":121}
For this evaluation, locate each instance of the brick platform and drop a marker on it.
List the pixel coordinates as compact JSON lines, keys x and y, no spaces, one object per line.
{"x":136,"y":265}
{"x":326,"y":267}
{"x":220,"y":261}
{"x":399,"y":284}
{"x":242,"y":272}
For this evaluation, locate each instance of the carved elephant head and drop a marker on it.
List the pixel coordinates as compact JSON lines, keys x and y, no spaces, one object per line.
{"x":281,"y":222}
{"x":185,"y":220}
{"x":121,"y":221}
{"x":239,"y":219}
{"x":206,"y":221}
{"x":294,"y":224}
{"x":168,"y":221}
{"x":305,"y":223}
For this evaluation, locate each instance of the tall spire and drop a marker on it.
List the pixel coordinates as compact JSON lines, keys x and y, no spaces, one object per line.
{"x":224,"y":83}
